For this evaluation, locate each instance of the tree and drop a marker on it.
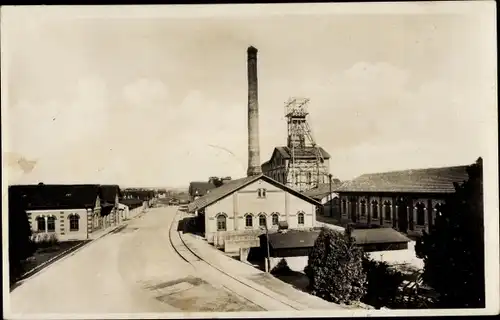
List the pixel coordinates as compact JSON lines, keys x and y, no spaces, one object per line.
{"x":20,"y":245}
{"x":335,"y":269}
{"x":382,"y":283}
{"x":453,"y":250}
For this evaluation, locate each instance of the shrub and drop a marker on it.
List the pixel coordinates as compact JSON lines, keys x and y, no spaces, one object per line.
{"x":281,"y":268}
{"x":335,"y":269}
{"x":382,"y":283}
{"x":45,"y":240}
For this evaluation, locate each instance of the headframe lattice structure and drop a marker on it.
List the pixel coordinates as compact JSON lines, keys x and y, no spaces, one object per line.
{"x":303,"y":174}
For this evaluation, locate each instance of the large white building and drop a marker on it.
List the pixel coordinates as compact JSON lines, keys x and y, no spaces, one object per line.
{"x":241,"y":209}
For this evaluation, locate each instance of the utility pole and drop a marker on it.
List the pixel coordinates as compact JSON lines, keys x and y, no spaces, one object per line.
{"x":268,"y":264}
{"x":330,"y":195}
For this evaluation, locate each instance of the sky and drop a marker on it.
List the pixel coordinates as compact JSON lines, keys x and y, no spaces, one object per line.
{"x":161,"y":100}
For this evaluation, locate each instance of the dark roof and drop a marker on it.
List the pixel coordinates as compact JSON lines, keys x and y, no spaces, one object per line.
{"x":378,"y":235}
{"x":201,"y":186}
{"x":234,"y":185}
{"x":301,"y":153}
{"x":54,"y":196}
{"x":293,"y":239}
{"x":131,"y":202}
{"x":108,"y":193}
{"x":432,"y":180}
{"x":322,"y":190}
{"x":306,"y":239}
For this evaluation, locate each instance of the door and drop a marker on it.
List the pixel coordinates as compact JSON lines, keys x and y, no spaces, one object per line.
{"x":403,"y":215}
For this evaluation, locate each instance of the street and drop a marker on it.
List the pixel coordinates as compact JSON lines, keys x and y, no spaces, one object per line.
{"x":133,"y":270}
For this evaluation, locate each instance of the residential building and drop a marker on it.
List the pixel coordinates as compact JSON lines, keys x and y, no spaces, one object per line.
{"x":198,"y":189}
{"x":235,"y":213}
{"x":67,"y":211}
{"x":406,"y":200}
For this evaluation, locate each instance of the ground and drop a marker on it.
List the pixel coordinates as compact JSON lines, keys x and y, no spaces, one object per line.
{"x":133,"y":270}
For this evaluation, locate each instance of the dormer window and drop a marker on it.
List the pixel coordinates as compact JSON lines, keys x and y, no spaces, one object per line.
{"x":261,"y":193}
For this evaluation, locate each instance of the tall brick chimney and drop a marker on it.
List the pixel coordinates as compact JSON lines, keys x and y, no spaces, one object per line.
{"x":254,"y":166}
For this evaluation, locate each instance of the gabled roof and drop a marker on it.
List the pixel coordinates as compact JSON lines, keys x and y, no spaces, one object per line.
{"x":301,"y":153}
{"x":201,"y":187}
{"x":54,"y":196}
{"x":234,"y":185}
{"x":431,"y":180}
{"x":108,"y":193}
{"x":322,"y":190}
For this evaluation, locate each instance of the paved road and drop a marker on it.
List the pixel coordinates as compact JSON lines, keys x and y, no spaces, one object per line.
{"x":135,"y":270}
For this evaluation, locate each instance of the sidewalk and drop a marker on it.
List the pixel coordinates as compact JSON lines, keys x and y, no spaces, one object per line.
{"x":254,"y":277}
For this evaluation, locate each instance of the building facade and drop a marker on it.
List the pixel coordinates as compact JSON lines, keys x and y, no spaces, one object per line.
{"x":245,"y":207}
{"x":407,"y":201}
{"x":69,"y":212}
{"x":298,"y":168}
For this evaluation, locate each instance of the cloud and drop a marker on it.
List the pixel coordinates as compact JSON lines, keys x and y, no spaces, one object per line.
{"x":146,"y":93}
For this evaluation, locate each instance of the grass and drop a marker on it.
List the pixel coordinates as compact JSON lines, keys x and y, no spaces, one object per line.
{"x":48,"y":247}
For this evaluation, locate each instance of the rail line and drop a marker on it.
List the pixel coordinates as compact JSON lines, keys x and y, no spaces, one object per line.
{"x":183,"y":247}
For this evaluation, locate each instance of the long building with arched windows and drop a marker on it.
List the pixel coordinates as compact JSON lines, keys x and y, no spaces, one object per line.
{"x":407,"y":200}
{"x":235,"y":213}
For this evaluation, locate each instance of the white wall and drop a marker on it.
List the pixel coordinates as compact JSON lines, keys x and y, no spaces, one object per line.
{"x":246,"y":201}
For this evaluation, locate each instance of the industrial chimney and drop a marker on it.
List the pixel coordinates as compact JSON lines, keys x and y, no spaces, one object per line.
{"x":254,"y":167}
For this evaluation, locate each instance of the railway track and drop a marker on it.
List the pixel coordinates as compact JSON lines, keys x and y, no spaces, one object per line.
{"x":240,"y":288}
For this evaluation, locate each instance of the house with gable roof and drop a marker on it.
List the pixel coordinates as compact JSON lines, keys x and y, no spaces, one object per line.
{"x":237,"y":212}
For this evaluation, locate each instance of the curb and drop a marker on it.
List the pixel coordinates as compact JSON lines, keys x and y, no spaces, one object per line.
{"x":294,"y":304}
{"x":65,"y":254}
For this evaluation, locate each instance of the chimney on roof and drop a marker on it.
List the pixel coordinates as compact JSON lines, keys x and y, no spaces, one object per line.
{"x":254,"y":167}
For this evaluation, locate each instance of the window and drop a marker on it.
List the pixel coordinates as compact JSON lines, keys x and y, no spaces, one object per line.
{"x":344,"y":207}
{"x":248,"y":220}
{"x":300,"y":218}
{"x":375,"y":209}
{"x":74,"y":222}
{"x":262,"y":220}
{"x":221,"y":222}
{"x":275,"y":219}
{"x":261,"y":193}
{"x":420,"y":214}
{"x":363,"y":208}
{"x":40,"y":224}
{"x":387,"y":211}
{"x":51,"y":224}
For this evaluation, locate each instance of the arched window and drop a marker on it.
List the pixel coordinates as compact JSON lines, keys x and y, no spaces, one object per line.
{"x":363,"y":208}
{"x":375,"y":209}
{"x":300,"y":218}
{"x":387,"y":210}
{"x":221,"y":222}
{"x":40,"y":224}
{"x":51,"y":224}
{"x":262,"y":220}
{"x":439,"y":208}
{"x":248,"y":220}
{"x":420,"y":214}
{"x":275,"y":219}
{"x":74,"y":222}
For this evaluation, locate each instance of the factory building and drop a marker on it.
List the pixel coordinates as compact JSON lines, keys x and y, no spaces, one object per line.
{"x":237,"y":212}
{"x":406,"y":200}
{"x":301,"y":164}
